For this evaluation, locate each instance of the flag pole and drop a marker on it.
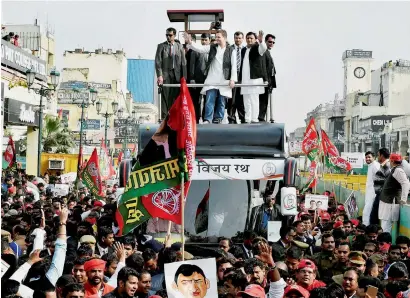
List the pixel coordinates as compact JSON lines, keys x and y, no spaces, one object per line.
{"x":182,"y":214}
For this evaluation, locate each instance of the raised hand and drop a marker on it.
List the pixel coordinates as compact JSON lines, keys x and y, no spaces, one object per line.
{"x":187,"y":38}
{"x":265,"y":254}
{"x":260,"y":36}
{"x":34,"y":257}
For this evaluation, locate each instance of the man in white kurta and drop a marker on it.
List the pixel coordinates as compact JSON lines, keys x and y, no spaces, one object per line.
{"x":373,"y":167}
{"x":251,"y":94}
{"x":217,"y":88}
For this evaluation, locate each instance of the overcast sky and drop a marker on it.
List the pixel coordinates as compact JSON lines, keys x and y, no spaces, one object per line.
{"x":310,"y":36}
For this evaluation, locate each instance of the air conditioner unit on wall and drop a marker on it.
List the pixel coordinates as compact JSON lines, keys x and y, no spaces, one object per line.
{"x":56,"y":164}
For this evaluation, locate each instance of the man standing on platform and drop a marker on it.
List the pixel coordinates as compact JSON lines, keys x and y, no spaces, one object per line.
{"x":235,"y":104}
{"x":170,"y":66}
{"x":394,"y":193}
{"x":271,"y":77}
{"x":373,"y":167}
{"x":252,"y":72}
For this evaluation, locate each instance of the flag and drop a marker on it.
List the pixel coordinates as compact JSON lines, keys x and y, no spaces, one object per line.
{"x":120,"y":155}
{"x":332,"y":156}
{"x":60,"y":114}
{"x":311,"y":144}
{"x":104,"y":162}
{"x":91,"y":175}
{"x":154,"y":186}
{"x":202,"y":213}
{"x":134,"y":152}
{"x":312,"y":179}
{"x":10,"y":153}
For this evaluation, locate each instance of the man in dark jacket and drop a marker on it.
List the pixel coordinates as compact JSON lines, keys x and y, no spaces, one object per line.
{"x":261,"y":215}
{"x":127,"y":284}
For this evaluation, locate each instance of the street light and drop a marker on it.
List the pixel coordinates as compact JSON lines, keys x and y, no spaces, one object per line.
{"x":83,"y":105}
{"x":43,"y":92}
{"x":128,"y":122}
{"x":106,"y":115}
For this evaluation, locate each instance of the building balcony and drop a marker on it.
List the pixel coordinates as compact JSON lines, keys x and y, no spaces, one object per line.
{"x":401,"y":123}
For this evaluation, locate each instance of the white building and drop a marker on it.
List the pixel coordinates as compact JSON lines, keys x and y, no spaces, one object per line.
{"x":19,"y":105}
{"x":374,"y":99}
{"x":106,"y":72}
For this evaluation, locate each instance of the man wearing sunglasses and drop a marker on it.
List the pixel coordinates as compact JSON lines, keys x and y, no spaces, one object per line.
{"x":271,"y":73}
{"x":170,"y":66}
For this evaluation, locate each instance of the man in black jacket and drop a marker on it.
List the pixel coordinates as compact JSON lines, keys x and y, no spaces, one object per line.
{"x":253,"y":72}
{"x":260,"y":215}
{"x":271,"y":77}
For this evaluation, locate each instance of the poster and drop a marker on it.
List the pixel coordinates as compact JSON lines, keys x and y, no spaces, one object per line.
{"x":351,"y":206}
{"x":4,"y":267}
{"x":356,"y":159}
{"x":273,"y":230}
{"x":313,"y":202}
{"x":194,"y":278}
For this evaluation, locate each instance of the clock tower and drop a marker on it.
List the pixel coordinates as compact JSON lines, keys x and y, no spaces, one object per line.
{"x":357,"y":71}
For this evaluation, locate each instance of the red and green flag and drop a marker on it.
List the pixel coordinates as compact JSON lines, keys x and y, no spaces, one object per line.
{"x":312,"y":179}
{"x":90,"y":175}
{"x":10,"y":153}
{"x":332,"y":156}
{"x":202,"y":213}
{"x":154,"y":186}
{"x":311,"y":143}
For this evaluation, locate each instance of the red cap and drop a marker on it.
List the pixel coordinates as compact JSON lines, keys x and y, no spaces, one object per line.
{"x":298,"y":289}
{"x":12,"y":189}
{"x":28,"y":206}
{"x":325,"y":215}
{"x":338,"y":224}
{"x":305,"y":263}
{"x":355,"y":222}
{"x":341,"y":208}
{"x":98,"y":204}
{"x":396,"y":157}
{"x":254,"y":291}
{"x":94,"y":264}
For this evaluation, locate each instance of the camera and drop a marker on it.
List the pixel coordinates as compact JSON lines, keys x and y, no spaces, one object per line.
{"x":216,"y":25}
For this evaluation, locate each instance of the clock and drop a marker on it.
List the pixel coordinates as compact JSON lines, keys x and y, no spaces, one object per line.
{"x":359,"y":72}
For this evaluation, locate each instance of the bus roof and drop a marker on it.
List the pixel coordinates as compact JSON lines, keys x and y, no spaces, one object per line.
{"x":263,"y":140}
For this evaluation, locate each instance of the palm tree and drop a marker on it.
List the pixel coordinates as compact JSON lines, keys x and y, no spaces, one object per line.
{"x":55,"y":135}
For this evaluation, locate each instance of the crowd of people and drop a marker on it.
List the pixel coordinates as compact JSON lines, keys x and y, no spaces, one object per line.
{"x":66,"y":247}
{"x":219,"y":66}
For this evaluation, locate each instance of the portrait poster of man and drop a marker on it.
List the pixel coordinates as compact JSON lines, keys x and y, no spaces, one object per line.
{"x":189,"y":279}
{"x":314,"y":202}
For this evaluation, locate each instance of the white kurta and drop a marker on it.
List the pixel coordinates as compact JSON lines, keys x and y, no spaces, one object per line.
{"x":215,"y":73}
{"x":246,"y":73}
{"x":370,"y":194}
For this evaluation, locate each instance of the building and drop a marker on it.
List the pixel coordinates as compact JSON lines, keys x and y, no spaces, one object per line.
{"x":106,"y":72}
{"x":19,"y":105}
{"x":374,"y":99}
{"x":141,"y":81}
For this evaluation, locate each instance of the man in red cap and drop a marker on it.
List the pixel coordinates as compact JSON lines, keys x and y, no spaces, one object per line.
{"x":252,"y":291}
{"x":295,"y":291}
{"x":394,"y":192}
{"x":306,"y":276}
{"x":94,"y":269}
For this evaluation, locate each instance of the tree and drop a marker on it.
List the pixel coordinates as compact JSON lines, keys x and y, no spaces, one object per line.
{"x":55,"y":135}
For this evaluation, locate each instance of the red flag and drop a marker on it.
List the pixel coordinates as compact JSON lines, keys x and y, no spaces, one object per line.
{"x":10,"y":153}
{"x":328,"y":146}
{"x":60,"y":114}
{"x":310,"y":144}
{"x":91,"y":175}
{"x":202,"y":213}
{"x":120,"y":157}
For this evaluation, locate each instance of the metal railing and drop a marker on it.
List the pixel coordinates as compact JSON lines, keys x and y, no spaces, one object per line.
{"x":270,"y":100}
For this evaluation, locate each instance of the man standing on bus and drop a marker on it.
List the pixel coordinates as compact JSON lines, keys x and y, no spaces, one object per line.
{"x":253,"y":72}
{"x":271,"y":76}
{"x":170,"y":66}
{"x":220,"y":70}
